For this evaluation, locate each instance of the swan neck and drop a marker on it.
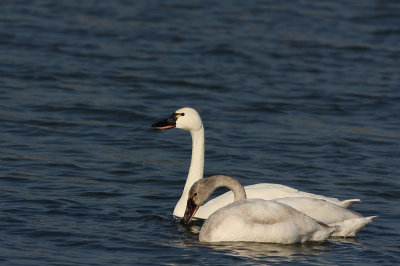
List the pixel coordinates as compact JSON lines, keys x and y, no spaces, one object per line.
{"x":238,"y":190}
{"x":196,"y":168}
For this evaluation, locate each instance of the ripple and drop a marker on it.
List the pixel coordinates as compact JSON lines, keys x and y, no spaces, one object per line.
{"x":303,"y":94}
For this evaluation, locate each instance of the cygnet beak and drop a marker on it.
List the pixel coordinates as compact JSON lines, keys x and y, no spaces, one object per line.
{"x":191,"y":209}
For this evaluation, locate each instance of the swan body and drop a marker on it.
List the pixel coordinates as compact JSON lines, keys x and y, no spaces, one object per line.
{"x":255,"y":220}
{"x":188,"y":119}
{"x":262,"y":221}
{"x":347,"y":222}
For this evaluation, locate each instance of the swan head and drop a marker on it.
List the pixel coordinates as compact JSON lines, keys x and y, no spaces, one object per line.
{"x":203,"y":188}
{"x":198,"y":194}
{"x":185,"y":118}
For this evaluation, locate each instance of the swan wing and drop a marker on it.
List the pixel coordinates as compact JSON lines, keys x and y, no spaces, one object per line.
{"x":318,"y":209}
{"x":266,"y":191}
{"x":281,"y":191}
{"x":346,"y":221}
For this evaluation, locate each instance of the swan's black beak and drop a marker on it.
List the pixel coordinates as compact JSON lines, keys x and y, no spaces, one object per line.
{"x":191,"y":209}
{"x":168,"y":123}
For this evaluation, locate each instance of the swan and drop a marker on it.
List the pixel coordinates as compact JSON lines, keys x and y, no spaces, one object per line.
{"x":188,"y":119}
{"x":255,"y":220}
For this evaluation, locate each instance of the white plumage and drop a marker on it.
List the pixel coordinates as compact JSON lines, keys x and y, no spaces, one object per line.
{"x":188,"y":119}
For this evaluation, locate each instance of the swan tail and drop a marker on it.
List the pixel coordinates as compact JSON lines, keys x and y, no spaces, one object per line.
{"x":348,"y":203}
{"x":324,"y":233}
{"x":350,"y":227}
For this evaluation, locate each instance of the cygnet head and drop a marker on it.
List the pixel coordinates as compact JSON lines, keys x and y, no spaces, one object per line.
{"x":185,"y":118}
{"x":198,"y":194}
{"x":202,"y":189}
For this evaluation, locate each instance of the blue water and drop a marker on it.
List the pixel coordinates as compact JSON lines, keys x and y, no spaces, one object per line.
{"x":303,"y":93}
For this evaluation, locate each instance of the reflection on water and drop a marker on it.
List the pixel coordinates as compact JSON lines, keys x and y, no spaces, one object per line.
{"x":280,"y":252}
{"x":194,"y":227}
{"x":256,"y":250}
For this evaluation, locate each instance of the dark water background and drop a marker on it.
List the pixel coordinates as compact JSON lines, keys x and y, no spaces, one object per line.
{"x":303,"y":93}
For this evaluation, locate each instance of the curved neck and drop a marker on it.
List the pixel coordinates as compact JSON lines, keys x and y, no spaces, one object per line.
{"x":216,"y":181}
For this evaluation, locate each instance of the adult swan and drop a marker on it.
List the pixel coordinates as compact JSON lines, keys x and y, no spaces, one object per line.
{"x":255,"y":220}
{"x":188,"y":119}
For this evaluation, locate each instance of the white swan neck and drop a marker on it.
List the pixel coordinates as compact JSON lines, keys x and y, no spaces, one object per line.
{"x":196,"y":169}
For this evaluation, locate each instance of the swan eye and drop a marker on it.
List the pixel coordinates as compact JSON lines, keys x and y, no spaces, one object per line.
{"x":195,"y":194}
{"x":177,"y":115}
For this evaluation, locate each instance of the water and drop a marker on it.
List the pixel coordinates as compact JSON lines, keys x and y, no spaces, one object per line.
{"x":303,"y":93}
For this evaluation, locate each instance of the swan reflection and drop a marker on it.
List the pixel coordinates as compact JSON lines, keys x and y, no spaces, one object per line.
{"x":274,"y":252}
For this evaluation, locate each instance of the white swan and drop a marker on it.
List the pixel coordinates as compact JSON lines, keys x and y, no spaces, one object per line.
{"x":254,"y":220}
{"x":188,"y":119}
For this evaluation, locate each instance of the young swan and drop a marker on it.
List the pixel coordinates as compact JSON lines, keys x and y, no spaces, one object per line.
{"x":255,"y":220}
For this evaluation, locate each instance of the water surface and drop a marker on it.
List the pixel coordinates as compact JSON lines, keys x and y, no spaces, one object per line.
{"x":301,"y":93}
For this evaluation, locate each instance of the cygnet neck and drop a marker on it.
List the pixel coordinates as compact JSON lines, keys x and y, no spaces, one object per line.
{"x":216,"y":181}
